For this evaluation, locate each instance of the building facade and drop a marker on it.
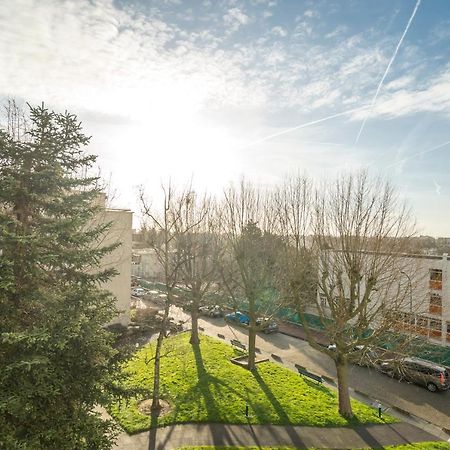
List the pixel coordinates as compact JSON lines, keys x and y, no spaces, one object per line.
{"x":146,"y":265}
{"x":432,"y":292}
{"x":120,"y":231}
{"x":415,"y":289}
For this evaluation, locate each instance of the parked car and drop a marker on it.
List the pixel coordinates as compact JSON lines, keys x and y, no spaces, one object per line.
{"x":266,"y":325}
{"x":237,"y":317}
{"x":361,"y":355}
{"x":211,"y":310}
{"x":138,"y":292}
{"x":414,"y":370}
{"x":187,"y":306}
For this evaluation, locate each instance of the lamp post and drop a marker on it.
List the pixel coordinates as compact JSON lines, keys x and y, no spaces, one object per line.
{"x":410,"y":290}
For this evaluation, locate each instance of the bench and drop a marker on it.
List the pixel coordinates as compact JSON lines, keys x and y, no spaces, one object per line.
{"x":238,"y":344}
{"x":306,"y":373}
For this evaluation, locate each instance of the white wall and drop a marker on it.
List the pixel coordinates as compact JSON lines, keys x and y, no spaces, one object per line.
{"x":120,"y":259}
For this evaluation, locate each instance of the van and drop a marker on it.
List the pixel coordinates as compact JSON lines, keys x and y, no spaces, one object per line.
{"x":415,"y":370}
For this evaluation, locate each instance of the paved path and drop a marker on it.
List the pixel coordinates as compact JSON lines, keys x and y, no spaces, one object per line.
{"x":177,"y":436}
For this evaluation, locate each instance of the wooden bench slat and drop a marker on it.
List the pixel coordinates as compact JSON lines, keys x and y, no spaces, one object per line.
{"x":302,"y":371}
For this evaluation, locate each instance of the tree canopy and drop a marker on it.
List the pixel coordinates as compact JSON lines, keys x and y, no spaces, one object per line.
{"x":56,"y":357}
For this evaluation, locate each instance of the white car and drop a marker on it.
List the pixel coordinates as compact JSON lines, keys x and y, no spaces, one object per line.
{"x":211,"y":311}
{"x":138,"y":292}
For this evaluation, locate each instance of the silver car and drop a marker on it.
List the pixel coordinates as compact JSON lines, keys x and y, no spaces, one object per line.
{"x":211,"y":311}
{"x":414,"y":370}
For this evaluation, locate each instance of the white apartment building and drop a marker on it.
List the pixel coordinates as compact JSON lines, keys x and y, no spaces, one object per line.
{"x":432,"y":292}
{"x":418,"y":287}
{"x":120,"y":221}
{"x":146,"y":265}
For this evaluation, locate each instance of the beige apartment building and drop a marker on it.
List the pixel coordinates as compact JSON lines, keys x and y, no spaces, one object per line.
{"x":120,"y":259}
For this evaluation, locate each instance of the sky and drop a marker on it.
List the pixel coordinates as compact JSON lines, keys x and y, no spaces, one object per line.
{"x":214,"y":90}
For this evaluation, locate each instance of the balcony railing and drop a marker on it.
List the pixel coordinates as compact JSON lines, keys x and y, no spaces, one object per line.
{"x":435,"y":309}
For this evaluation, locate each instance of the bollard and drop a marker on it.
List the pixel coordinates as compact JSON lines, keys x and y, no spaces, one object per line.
{"x":378,"y":405}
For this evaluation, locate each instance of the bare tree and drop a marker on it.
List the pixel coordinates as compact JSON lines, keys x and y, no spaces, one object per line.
{"x":292,"y":204}
{"x":198,"y":252}
{"x":248,"y":260}
{"x":361,"y":230}
{"x":163,"y":230}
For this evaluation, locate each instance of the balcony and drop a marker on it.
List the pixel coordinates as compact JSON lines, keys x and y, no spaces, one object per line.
{"x":436,"y":285}
{"x":435,"y":309}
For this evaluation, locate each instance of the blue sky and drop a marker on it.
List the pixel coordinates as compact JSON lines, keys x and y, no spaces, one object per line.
{"x":209,"y":89}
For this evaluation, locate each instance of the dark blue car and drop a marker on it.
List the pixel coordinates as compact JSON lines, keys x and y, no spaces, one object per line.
{"x":238,"y":317}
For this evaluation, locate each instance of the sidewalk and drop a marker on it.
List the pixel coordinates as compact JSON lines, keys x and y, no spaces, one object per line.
{"x":177,"y":436}
{"x":297,"y":331}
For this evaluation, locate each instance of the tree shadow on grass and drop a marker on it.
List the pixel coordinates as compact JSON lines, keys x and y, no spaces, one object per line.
{"x":153,"y":431}
{"x":284,"y":418}
{"x":318,"y":387}
{"x":203,"y":391}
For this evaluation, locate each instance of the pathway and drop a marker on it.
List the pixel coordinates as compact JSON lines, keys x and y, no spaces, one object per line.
{"x":177,"y":436}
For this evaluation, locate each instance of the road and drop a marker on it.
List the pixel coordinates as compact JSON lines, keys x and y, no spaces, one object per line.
{"x":432,"y":407}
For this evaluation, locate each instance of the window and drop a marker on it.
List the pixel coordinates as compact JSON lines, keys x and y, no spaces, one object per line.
{"x":422,"y":325}
{"x":435,"y":304}
{"x":435,"y":324}
{"x":448,"y":331}
{"x":436,"y":279}
{"x":435,"y":328}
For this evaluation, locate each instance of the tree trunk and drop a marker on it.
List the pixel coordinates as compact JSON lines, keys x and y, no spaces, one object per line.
{"x":194,"y":331}
{"x":251,"y":345}
{"x":156,"y":378}
{"x":155,"y":395}
{"x":345,"y":407}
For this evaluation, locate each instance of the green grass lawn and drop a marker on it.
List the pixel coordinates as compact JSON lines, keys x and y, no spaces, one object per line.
{"x":202,"y":385}
{"x":420,"y":445}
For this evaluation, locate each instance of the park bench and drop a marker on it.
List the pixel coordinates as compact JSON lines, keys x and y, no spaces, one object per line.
{"x":238,"y":344}
{"x":306,"y":373}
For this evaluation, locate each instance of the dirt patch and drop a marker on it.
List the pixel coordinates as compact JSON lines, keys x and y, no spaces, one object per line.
{"x":145,"y":407}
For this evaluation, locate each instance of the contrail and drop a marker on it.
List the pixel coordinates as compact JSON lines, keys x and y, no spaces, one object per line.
{"x":423,"y":152}
{"x":304,"y":125}
{"x":374,"y":99}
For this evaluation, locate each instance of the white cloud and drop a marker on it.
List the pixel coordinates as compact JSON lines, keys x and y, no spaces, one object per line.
{"x":399,"y":83}
{"x":310,"y":13}
{"x":433,"y":97}
{"x":94,"y":56}
{"x":339,"y":30}
{"x":234,"y":18}
{"x":278,"y":31}
{"x":303,"y":29}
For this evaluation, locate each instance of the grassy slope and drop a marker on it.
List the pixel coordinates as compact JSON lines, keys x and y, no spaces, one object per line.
{"x":202,"y":385}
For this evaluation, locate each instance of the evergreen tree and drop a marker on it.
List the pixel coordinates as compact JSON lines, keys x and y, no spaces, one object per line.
{"x":57,"y":361}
